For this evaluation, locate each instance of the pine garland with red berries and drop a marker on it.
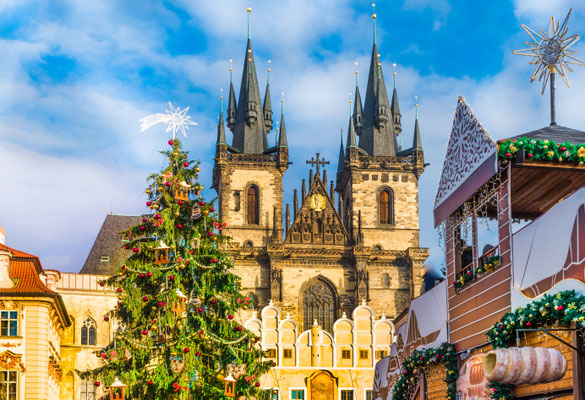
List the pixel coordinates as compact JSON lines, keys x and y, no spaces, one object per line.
{"x":419,"y":361}
{"x":564,"y":308}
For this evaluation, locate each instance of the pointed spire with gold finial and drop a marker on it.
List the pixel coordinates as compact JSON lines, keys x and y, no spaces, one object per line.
{"x":416,"y":142}
{"x":358,"y":112}
{"x":220,"y":128}
{"x":267,"y":108}
{"x":377,"y":136}
{"x":249,"y":130}
{"x":232,"y":106}
{"x":282,"y":139}
{"x":396,"y":116}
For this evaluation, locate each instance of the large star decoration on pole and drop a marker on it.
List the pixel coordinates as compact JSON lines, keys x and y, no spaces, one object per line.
{"x":550,"y":51}
{"x":176,"y":119}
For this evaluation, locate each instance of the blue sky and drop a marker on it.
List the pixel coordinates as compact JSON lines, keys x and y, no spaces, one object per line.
{"x":76,"y":76}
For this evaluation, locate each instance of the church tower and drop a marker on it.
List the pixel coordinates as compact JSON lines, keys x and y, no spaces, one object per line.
{"x":248,"y":174}
{"x":376,"y":179}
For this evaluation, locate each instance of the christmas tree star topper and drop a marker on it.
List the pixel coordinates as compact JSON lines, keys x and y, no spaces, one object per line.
{"x":176,"y":119}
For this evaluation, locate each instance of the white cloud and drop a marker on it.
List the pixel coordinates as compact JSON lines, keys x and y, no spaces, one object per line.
{"x":74,"y":147}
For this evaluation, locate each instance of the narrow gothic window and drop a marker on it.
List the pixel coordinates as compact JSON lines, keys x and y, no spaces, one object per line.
{"x":88,"y":332}
{"x":319,"y":303}
{"x":386,"y":281}
{"x":253,"y":205}
{"x":386,"y":207}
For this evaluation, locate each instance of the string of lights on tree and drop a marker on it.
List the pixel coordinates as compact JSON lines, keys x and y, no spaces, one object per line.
{"x":178,"y":335}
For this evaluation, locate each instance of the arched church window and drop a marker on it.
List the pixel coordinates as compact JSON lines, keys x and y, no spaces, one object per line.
{"x":253,"y":205}
{"x":386,"y":280}
{"x":320,"y":304}
{"x":386,"y":207}
{"x":88,"y":332}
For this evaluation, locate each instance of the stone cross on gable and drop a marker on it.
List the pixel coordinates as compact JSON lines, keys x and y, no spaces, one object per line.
{"x":317,"y":162}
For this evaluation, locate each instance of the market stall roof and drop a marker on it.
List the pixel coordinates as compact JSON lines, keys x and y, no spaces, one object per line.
{"x":560,"y":134}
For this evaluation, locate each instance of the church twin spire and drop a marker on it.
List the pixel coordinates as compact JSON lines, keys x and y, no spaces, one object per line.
{"x":248,"y":118}
{"x":378,"y":122}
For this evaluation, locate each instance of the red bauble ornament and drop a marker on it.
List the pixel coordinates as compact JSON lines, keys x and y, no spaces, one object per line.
{"x":186,"y":350}
{"x":149,"y":274}
{"x":201,"y":203}
{"x":119,"y":290}
{"x":104,"y":355}
{"x":230,"y":316}
{"x":238,"y":328}
{"x":144,"y":332}
{"x":148,"y":203}
{"x":101,"y":284}
{"x":145,"y":298}
{"x":135,"y":250}
{"x":563,"y":148}
{"x":257,"y":384}
{"x":210,"y":234}
{"x":157,"y":216}
{"x":190,"y":251}
{"x":127,"y":247}
{"x":560,"y":308}
{"x":185,"y":164}
{"x":180,"y":202}
{"x":142,"y":228}
{"x":199,"y":309}
{"x":213,"y":301}
{"x":96,"y":383}
{"x":530,"y":155}
{"x":213,"y":260}
{"x":212,"y":209}
{"x":160,"y":304}
{"x":528,"y":323}
{"x":508,"y":155}
{"x":141,"y":275}
{"x":144,"y":219}
{"x":171,"y":142}
{"x":171,"y":277}
{"x":179,"y":226}
{"x":167,"y":184}
{"x":150,"y":383}
{"x":198,"y":354}
{"x":106,"y":318}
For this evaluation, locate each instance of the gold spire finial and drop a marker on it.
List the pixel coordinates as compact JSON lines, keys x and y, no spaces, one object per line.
{"x":374,"y":16}
{"x":268,"y":69}
{"x":249,"y":9}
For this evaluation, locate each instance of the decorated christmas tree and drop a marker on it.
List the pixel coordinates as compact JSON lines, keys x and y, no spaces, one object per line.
{"x":178,"y":335}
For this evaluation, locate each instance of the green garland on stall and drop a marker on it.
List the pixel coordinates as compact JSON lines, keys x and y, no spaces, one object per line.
{"x":563,"y":308}
{"x":420,"y":359}
{"x":543,"y":150}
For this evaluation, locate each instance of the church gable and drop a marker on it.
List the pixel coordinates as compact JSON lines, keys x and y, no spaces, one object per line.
{"x":317,"y":222}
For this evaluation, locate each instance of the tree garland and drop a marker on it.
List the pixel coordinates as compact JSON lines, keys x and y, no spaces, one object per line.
{"x":489,"y":264}
{"x":543,"y":150}
{"x":563,"y":308}
{"x":418,"y":361}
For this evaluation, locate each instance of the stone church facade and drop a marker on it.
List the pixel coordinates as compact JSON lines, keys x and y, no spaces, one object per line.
{"x":346,"y":240}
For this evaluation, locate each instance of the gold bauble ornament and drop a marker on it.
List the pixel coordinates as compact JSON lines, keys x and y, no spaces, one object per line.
{"x":205,"y":212}
{"x":147,"y":191}
{"x":177,"y":214}
{"x":197,"y":169}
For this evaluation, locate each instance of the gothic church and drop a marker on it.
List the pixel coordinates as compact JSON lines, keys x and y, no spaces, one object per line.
{"x":346,"y":240}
